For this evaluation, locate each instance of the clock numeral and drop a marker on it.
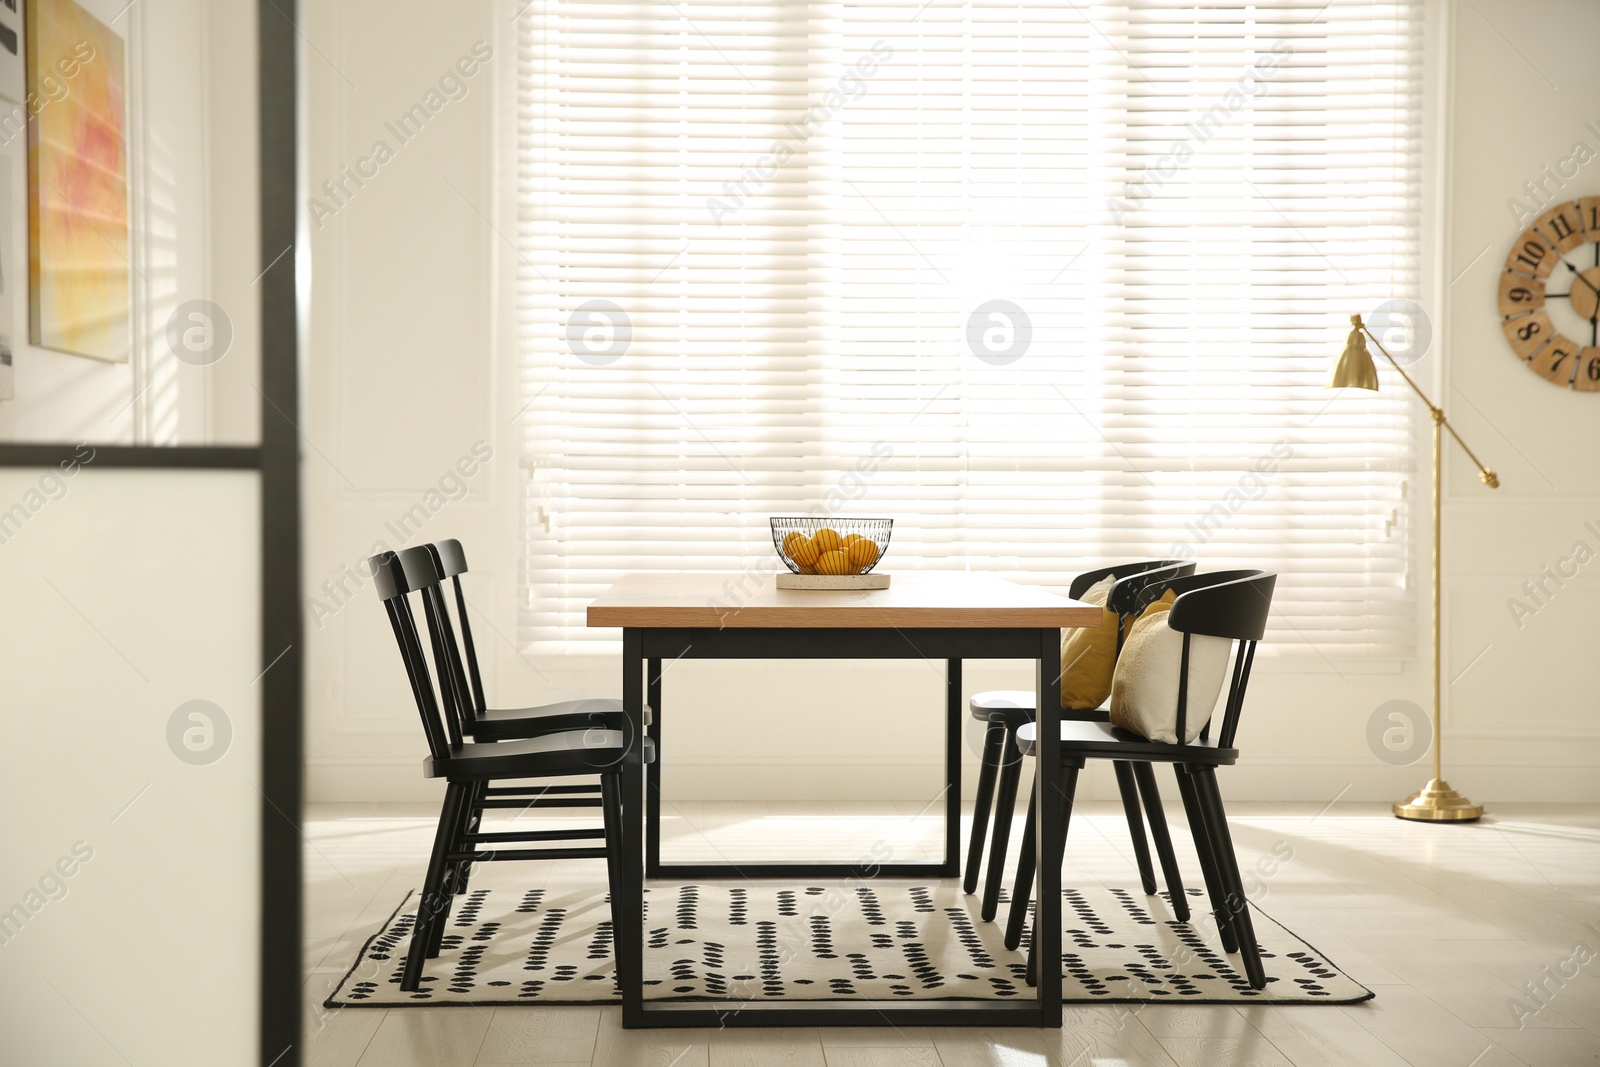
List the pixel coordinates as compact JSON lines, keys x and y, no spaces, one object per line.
{"x":1531,"y":256}
{"x":1528,"y":333}
{"x":1561,"y":226}
{"x":1551,"y":362}
{"x":1589,"y":215}
{"x":1519,"y":294}
{"x":1588,"y":377}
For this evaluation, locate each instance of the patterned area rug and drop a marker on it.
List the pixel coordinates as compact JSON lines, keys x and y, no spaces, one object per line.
{"x":884,"y":941}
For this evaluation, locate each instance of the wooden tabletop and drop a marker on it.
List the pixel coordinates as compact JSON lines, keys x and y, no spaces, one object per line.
{"x":954,"y":599}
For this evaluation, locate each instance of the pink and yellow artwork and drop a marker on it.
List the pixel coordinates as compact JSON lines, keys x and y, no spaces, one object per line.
{"x":78,"y":294}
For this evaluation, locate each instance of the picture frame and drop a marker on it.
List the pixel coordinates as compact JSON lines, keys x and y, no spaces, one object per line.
{"x":79,"y":268}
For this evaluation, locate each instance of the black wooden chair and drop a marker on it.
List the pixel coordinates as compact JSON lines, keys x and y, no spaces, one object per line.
{"x":1005,"y":711}
{"x":482,"y":723}
{"x":468,"y":767}
{"x":1227,"y":604}
{"x":452,"y":635}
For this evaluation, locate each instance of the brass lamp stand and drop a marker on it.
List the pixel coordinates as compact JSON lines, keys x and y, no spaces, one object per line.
{"x":1436,"y":801}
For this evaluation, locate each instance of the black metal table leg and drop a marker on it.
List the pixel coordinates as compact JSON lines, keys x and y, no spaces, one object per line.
{"x":652,"y":775}
{"x":953,"y":646}
{"x":953,"y":708}
{"x":628,"y":913}
{"x":1049,"y":830}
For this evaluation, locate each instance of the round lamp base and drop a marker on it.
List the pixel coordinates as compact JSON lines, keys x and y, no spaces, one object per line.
{"x":1437,"y":802}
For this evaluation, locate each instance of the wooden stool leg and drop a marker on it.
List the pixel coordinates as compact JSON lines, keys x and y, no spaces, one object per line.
{"x":1069,"y":786}
{"x":433,"y":901}
{"x":1145,"y":775}
{"x":1195,"y":809}
{"x":1022,"y":888}
{"x":994,"y":736}
{"x":1228,"y":868}
{"x":1005,"y":809}
{"x":1130,"y":808}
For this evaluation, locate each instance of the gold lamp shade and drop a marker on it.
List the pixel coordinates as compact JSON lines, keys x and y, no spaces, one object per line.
{"x":1354,"y":369}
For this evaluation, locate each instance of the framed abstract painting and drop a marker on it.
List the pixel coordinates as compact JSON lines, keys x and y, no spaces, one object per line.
{"x":79,"y":298}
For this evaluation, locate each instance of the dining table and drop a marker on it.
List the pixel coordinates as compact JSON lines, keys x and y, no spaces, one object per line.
{"x":951,"y":616}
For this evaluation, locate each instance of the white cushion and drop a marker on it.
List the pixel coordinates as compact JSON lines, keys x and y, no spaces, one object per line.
{"x":1144,"y":691}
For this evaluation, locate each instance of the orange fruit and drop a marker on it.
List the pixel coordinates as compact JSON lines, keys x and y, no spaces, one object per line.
{"x":861,"y":554}
{"x":803,"y":551}
{"x":826,"y":539}
{"x":833,"y":563}
{"x":789,"y":542}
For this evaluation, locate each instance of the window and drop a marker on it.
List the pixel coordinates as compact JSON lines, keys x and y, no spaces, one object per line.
{"x":1049,"y":284}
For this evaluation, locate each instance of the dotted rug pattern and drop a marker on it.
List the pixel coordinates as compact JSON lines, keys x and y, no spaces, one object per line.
{"x":879,"y":941}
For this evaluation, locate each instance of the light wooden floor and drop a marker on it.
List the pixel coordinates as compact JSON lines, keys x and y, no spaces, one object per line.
{"x":1452,"y":926}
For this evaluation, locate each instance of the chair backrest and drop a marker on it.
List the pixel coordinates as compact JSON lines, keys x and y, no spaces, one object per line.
{"x":1229,"y":604}
{"x":1082,"y":582}
{"x":451,"y":560}
{"x":395,"y":576}
{"x":1136,"y":586}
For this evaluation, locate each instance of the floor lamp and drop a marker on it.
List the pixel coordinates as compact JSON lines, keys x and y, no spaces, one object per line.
{"x":1436,"y":801}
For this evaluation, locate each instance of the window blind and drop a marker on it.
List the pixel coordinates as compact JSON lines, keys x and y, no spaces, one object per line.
{"x":1048,"y":284}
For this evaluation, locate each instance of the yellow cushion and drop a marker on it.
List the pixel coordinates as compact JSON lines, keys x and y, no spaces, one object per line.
{"x":1151,"y":615}
{"x":1089,"y":654}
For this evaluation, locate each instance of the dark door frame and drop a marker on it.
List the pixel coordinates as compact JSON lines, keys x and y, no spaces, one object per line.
{"x":277,"y":460}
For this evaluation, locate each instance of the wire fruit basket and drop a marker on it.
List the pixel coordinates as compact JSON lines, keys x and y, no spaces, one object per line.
{"x":831,"y":550}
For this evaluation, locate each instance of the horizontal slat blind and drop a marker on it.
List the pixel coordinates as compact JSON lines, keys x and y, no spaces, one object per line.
{"x":800,"y":207}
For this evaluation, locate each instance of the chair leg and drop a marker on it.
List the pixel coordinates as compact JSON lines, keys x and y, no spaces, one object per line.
{"x":1130,"y":807}
{"x":459,"y":874}
{"x":1069,"y":786}
{"x":1005,"y":809}
{"x":622,"y":928}
{"x":1195,"y":809}
{"x":1022,"y":888}
{"x":1228,"y":867}
{"x":469,"y":794}
{"x":1145,"y":775}
{"x":433,"y":900}
{"x":994,"y":736}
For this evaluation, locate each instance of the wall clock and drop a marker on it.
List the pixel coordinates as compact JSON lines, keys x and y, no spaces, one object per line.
{"x":1550,"y":295}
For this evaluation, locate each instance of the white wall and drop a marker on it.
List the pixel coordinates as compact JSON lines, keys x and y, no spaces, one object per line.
{"x":129,"y":594}
{"x":408,"y":370}
{"x":130,"y":872}
{"x":1524,"y":95}
{"x":192,"y":178}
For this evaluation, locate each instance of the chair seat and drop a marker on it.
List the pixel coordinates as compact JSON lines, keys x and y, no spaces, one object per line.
{"x":569,"y":752}
{"x":1014,"y":707}
{"x":1113,"y":742}
{"x":509,"y":724}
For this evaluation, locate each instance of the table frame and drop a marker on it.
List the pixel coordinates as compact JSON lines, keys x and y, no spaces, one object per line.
{"x":643,"y":649}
